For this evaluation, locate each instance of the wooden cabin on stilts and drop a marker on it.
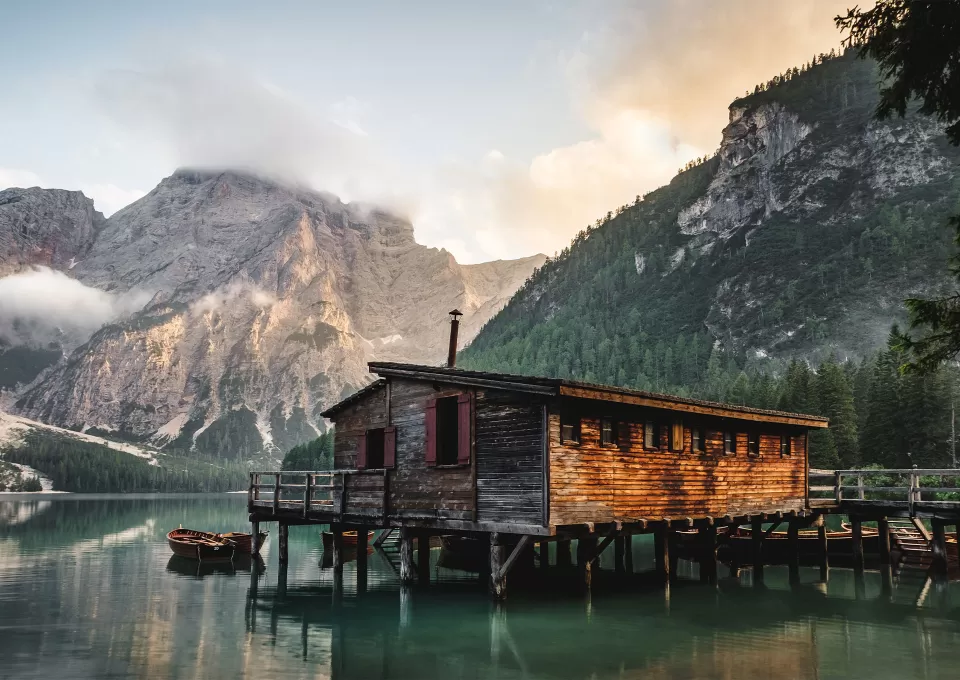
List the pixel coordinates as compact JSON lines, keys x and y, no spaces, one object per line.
{"x":518,"y":460}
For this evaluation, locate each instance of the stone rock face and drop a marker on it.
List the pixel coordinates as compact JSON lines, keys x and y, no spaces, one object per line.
{"x":49,"y":227}
{"x":266,"y":303}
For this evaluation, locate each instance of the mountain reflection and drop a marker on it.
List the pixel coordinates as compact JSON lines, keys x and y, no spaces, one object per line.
{"x":88,"y":588}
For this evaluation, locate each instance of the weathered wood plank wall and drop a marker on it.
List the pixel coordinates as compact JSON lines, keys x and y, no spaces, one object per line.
{"x":509,"y":453}
{"x":590,"y":483}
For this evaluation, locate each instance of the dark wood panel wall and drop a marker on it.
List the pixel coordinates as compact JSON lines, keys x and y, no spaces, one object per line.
{"x":509,"y":454}
{"x":594,"y":483}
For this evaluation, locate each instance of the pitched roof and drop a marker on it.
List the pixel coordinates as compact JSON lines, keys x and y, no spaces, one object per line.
{"x":355,"y":397}
{"x":584,"y":390}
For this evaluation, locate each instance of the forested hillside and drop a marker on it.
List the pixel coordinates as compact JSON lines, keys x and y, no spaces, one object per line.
{"x":796,"y":242}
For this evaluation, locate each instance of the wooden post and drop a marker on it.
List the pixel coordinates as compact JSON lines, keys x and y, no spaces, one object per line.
{"x":756,"y":536}
{"x":823,"y":549}
{"x":708,"y":554}
{"x":673,"y":539}
{"x":362,"y":536}
{"x":857,"y":524}
{"x":307,"y":494}
{"x":282,"y":538}
{"x":628,"y":553}
{"x":586,"y":552}
{"x":255,"y":538}
{"x":883,"y":527}
{"x":338,"y":560}
{"x":662,"y":552}
{"x":564,"y":556}
{"x":544,"y":555}
{"x":618,"y":554}
{"x":407,"y":574}
{"x":423,"y":558}
{"x":276,"y":493}
{"x":793,"y":539}
{"x":939,"y":545}
{"x":498,"y":580}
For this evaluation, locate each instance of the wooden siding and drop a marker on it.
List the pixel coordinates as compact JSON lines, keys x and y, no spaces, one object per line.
{"x":509,"y":453}
{"x":590,"y":483}
{"x":417,"y":490}
{"x":367,"y":413}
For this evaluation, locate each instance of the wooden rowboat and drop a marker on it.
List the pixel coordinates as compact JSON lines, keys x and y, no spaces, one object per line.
{"x":244,"y":542}
{"x":200,"y":545}
{"x":349,"y":539}
{"x":776,"y":546}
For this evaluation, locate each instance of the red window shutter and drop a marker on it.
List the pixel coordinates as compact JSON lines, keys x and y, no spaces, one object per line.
{"x":362,"y":452}
{"x":389,"y":447}
{"x":431,"y":439}
{"x":464,"y":420}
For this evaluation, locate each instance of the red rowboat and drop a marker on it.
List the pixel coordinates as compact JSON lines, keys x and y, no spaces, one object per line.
{"x":200,"y":545}
{"x":244,"y":542}
{"x":349,"y":539}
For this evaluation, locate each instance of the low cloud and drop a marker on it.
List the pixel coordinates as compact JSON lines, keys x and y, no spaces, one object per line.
{"x":42,"y":305}
{"x":229,"y":295}
{"x":107,"y":198}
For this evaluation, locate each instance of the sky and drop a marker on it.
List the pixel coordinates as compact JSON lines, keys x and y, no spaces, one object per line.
{"x":499,"y":128}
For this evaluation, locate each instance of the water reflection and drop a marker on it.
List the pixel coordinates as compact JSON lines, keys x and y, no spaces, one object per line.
{"x":88,"y":588}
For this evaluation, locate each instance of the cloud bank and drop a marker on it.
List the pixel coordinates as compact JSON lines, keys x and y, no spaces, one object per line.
{"x":41,"y":305}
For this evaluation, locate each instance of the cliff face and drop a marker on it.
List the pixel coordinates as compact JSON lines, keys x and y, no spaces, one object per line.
{"x":801,"y":237}
{"x":266,"y":303}
{"x":49,"y":227}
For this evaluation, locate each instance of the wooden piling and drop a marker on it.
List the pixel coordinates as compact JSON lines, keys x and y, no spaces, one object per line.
{"x":883,"y":528}
{"x":618,"y":554}
{"x":544,"y":555}
{"x":423,"y":558}
{"x":793,"y":547}
{"x":756,"y":536}
{"x":498,"y":579}
{"x":362,"y":537}
{"x":338,"y":556}
{"x":407,"y":573}
{"x":628,"y":553}
{"x":856,"y":523}
{"x":662,"y":552}
{"x":255,"y":538}
{"x":282,"y":531}
{"x":564,"y":556}
{"x":939,"y":546}
{"x":708,"y":554}
{"x":586,"y":552}
{"x":823,"y":549}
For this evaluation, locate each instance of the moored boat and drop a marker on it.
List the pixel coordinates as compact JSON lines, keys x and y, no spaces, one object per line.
{"x":200,"y":545}
{"x":244,"y":542}
{"x":776,"y":545}
{"x":349,"y":539}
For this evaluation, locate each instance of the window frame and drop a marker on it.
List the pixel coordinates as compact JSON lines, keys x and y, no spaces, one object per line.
{"x":651,"y":426}
{"x":371,"y":435}
{"x":729,"y":437}
{"x":698,"y":432}
{"x":786,"y":442}
{"x":753,"y":442}
{"x":574,"y":422}
{"x":614,"y":433}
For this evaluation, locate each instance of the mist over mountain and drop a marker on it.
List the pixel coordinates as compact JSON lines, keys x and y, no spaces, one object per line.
{"x":258,"y":305}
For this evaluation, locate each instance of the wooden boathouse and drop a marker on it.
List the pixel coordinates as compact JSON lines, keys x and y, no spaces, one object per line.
{"x":518,"y":459}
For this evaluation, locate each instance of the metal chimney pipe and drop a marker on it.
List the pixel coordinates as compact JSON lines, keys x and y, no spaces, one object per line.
{"x":454,"y":329}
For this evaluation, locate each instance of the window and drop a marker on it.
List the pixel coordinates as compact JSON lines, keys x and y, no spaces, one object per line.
{"x":676,"y":435}
{"x":753,"y":444}
{"x":375,"y":441}
{"x":608,"y":432}
{"x":729,"y":444}
{"x":651,"y":434}
{"x":569,"y":429}
{"x":785,"y":445}
{"x":696,"y":438}
{"x":447,"y":431}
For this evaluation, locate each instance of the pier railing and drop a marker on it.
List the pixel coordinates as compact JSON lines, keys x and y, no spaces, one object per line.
{"x":902,"y":488}
{"x":310,"y":492}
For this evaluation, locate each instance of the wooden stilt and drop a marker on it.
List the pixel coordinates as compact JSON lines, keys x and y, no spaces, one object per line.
{"x":255,"y":538}
{"x":883,"y":527}
{"x":586,"y":551}
{"x":823,"y":550}
{"x":708,"y":554}
{"x":856,"y":523}
{"x":673,"y":539}
{"x":793,"y":539}
{"x":628,"y":553}
{"x":338,"y":557}
{"x":407,"y":574}
{"x":662,"y":552}
{"x":939,"y":546}
{"x":544,"y":555}
{"x":282,"y":537}
{"x":564,"y":556}
{"x":756,"y":534}
{"x":498,"y":579}
{"x":618,"y":554}
{"x":423,"y":558}
{"x":361,"y":559}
